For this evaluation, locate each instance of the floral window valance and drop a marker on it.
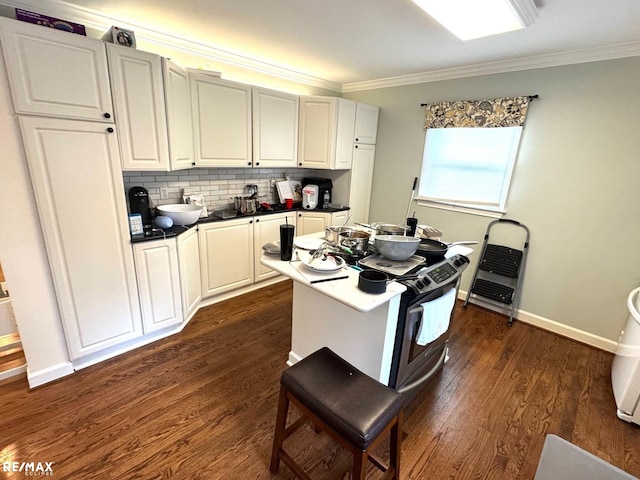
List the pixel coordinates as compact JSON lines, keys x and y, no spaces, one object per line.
{"x":497,"y":112}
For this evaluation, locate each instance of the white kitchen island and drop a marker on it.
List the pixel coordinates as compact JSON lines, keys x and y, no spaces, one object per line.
{"x":358,"y":326}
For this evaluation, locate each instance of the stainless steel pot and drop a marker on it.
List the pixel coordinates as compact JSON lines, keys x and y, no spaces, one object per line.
{"x":332,"y":234}
{"x":387,"y":229}
{"x":356,"y":240}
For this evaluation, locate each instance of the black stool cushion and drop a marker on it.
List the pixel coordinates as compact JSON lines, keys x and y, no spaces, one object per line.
{"x":355,"y":405}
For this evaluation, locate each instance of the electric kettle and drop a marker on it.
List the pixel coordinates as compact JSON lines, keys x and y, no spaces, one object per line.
{"x":310,"y":195}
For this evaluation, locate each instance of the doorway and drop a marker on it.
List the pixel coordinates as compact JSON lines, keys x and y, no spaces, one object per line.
{"x":12,"y":359}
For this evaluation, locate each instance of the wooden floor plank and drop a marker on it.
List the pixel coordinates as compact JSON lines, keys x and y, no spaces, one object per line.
{"x":201,"y":405}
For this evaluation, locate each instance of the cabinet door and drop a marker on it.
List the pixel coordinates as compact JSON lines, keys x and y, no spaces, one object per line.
{"x":344,"y":135}
{"x":221,"y":121}
{"x":158,"y":283}
{"x":317,"y":141}
{"x":311,"y":222}
{"x":340,"y":218}
{"x":361,"y":182}
{"x":226,"y":255}
{"x":366,"y":127}
{"x":267,"y":229}
{"x":138,"y":95}
{"x":56,"y":74}
{"x":189,"y":265}
{"x":275,"y":128}
{"x":75,"y":171}
{"x":179,"y":116}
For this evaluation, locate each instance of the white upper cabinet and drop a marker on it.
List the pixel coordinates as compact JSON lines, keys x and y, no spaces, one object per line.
{"x":361,"y":182}
{"x":177,"y":93}
{"x":366,"y":130}
{"x":221,"y":121}
{"x":326,"y":132}
{"x":56,"y":73}
{"x":138,"y":95}
{"x":275,"y":128}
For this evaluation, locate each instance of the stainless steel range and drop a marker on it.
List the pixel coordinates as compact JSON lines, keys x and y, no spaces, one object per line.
{"x":424,"y":320}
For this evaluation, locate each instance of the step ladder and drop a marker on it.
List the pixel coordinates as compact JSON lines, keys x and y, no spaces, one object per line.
{"x":498,"y":275}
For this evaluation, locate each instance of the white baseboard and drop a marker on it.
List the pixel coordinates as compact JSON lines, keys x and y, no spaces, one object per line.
{"x":546,"y":324}
{"x":49,"y":374}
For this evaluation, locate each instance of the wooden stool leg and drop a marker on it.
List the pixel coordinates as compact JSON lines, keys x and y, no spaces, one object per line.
{"x":395,"y":444}
{"x":279,"y":434}
{"x":359,"y":468}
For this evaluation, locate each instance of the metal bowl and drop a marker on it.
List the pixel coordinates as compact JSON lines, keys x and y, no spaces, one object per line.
{"x":396,"y":247}
{"x":332,"y":234}
{"x":356,"y":240}
{"x":387,"y":229}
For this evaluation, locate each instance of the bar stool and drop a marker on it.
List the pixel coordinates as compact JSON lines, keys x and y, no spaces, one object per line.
{"x":351,"y":407}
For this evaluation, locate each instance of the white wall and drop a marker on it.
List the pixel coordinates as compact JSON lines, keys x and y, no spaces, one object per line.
{"x":576,"y":183}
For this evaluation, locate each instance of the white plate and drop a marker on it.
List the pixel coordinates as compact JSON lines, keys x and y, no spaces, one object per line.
{"x":308,"y":243}
{"x":331,"y":264}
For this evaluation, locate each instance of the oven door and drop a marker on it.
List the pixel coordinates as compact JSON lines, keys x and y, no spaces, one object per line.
{"x":414,"y":364}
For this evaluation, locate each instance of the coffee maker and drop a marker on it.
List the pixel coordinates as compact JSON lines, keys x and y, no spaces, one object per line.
{"x":324,"y":189}
{"x":139,"y":203}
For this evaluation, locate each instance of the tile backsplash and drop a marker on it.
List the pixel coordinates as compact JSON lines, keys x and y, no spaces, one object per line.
{"x":219,"y":185}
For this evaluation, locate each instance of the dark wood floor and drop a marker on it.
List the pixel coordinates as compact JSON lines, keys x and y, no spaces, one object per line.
{"x":201,"y":405}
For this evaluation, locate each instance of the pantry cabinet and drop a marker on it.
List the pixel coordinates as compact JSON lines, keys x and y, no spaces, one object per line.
{"x":226,"y":255}
{"x":221,"y":121}
{"x":360,"y":182}
{"x":177,"y":91}
{"x":326,"y":132}
{"x":138,"y":96}
{"x":190,"y":273}
{"x":56,"y":73}
{"x":275,"y":128}
{"x":90,"y":255}
{"x":158,"y":284}
{"x":267,"y":229}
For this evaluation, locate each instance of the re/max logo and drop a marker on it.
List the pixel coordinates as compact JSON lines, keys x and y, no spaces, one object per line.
{"x":31,"y":469}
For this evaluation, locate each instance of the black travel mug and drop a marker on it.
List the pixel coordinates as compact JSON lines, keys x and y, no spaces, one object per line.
{"x":286,"y":242}
{"x":412,"y":223}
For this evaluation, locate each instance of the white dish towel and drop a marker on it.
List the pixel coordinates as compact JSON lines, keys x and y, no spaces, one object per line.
{"x":435,"y":317}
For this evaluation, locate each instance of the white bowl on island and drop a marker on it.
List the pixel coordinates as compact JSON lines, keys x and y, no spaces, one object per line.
{"x":181,"y":213}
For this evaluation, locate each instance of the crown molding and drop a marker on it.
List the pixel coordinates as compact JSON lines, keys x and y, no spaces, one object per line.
{"x":99,"y":21}
{"x":611,"y":52}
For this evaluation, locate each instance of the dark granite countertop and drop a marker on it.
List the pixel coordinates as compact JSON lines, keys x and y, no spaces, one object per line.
{"x":159,"y":233}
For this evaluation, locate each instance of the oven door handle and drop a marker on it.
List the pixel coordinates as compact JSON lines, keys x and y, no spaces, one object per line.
{"x":427,"y":376}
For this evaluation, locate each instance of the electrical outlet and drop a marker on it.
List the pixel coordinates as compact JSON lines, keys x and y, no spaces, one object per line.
{"x":164,"y":193}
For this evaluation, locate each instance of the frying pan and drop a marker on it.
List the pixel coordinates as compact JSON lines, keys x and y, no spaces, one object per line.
{"x":435,"y":250}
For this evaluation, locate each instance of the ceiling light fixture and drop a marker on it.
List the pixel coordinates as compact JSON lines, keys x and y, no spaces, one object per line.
{"x":469,"y":19}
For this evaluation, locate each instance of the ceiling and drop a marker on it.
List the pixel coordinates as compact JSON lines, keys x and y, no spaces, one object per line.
{"x":359,"y":44}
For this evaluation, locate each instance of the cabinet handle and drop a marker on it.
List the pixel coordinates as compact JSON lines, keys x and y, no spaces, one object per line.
{"x":356,"y":146}
{"x":257,"y":220}
{"x":193,"y":163}
{"x":300,"y":164}
{"x":107,"y":115}
{"x":257,"y":164}
{"x":249,"y":163}
{"x":110,"y":130}
{"x":356,"y":139}
{"x":250,"y":221}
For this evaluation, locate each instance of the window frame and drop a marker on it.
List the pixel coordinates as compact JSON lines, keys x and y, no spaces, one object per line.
{"x":484,"y":209}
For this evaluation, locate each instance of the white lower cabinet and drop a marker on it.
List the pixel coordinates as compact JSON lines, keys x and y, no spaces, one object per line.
{"x":158,"y":283}
{"x":267,"y":229}
{"x":315,"y":221}
{"x":226,"y":255}
{"x":189,"y":266}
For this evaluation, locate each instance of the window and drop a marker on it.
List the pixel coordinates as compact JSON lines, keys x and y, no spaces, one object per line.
{"x":468,"y":167}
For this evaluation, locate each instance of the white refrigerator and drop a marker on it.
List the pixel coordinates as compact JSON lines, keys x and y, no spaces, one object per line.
{"x":625,"y":370}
